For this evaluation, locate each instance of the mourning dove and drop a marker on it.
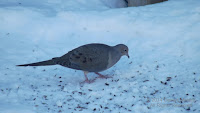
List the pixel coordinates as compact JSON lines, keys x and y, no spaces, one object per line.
{"x":93,"y":57}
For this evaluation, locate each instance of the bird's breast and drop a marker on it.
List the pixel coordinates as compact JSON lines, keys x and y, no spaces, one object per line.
{"x":112,"y":60}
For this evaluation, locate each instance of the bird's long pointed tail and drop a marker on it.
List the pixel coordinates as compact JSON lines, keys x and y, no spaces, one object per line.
{"x":42,"y":63}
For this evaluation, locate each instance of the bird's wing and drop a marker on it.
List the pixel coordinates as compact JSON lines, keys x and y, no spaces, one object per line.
{"x":88,"y":58}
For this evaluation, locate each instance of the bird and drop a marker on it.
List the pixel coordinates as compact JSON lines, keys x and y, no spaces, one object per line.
{"x":94,"y":57}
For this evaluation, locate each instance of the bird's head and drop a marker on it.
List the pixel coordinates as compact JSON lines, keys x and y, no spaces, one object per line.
{"x":123,"y":49}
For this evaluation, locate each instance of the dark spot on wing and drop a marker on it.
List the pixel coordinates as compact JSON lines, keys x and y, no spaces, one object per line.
{"x":90,"y":59}
{"x":77,"y":57}
{"x":84,"y":61}
{"x":80,"y":54}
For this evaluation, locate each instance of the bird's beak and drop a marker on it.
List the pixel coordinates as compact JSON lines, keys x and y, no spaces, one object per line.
{"x":128,"y":56}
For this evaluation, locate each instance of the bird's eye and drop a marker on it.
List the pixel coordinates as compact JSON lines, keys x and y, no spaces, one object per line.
{"x":125,"y":50}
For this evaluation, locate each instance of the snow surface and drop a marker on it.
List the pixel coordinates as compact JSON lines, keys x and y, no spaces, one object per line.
{"x":162,"y":74}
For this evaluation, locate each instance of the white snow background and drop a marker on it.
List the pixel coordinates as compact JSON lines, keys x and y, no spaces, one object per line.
{"x":161,"y":76}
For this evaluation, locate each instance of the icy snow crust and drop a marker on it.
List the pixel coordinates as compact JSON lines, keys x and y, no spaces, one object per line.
{"x":162,"y":75}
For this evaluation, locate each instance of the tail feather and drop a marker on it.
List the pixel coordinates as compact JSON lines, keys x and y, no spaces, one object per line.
{"x":43,"y":63}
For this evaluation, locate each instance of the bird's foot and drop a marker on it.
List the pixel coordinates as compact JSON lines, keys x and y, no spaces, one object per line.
{"x":87,"y":81}
{"x":102,"y":76}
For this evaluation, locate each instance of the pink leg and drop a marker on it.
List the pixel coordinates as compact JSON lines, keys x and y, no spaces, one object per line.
{"x":101,"y":76}
{"x":86,"y":78}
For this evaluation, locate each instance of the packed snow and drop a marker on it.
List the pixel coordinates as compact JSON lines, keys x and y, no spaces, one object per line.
{"x":162,"y":74}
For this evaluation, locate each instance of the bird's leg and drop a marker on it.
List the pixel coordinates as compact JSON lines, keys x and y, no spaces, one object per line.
{"x":86,"y":78}
{"x":101,"y":76}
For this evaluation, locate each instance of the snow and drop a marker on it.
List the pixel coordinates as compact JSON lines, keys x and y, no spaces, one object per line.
{"x":162,"y":74}
{"x":14,"y":108}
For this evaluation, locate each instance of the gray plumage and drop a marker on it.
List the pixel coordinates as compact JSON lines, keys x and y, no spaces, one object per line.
{"x":89,"y":58}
